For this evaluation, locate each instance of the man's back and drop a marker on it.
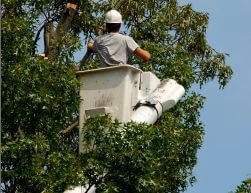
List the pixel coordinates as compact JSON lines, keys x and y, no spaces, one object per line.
{"x":114,"y":48}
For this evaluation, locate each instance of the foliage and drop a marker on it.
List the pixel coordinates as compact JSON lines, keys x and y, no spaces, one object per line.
{"x":151,"y":159}
{"x":245,"y":186}
{"x":40,"y":98}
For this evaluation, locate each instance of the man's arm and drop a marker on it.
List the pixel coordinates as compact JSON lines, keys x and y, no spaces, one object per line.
{"x":145,"y":55}
{"x":87,"y":55}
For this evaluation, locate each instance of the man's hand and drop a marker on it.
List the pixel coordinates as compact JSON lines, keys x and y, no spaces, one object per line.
{"x":90,"y":45}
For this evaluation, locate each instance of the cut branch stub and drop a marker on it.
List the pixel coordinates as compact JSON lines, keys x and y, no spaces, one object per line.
{"x":48,"y":37}
{"x":51,"y":35}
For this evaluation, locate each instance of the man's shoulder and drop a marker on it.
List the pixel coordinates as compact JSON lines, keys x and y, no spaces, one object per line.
{"x":100,"y":37}
{"x":125,"y":37}
{"x":117,"y":37}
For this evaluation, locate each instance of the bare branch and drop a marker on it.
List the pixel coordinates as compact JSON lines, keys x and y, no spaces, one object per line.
{"x":119,"y":4}
{"x":85,"y":59}
{"x":48,"y":37}
{"x":51,"y":35}
{"x":68,"y":129}
{"x":66,"y":19}
{"x":89,"y":187}
{"x":38,"y":33}
{"x":97,"y":181}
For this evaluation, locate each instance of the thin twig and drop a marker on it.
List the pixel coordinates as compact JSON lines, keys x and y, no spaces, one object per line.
{"x":68,"y":129}
{"x":38,"y":34}
{"x":89,"y":187}
{"x":119,"y":4}
{"x":99,"y":180}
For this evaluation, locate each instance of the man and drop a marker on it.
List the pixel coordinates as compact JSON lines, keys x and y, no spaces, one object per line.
{"x":114,"y":48}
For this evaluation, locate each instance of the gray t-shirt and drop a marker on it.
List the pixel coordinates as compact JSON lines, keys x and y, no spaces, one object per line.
{"x":114,"y":48}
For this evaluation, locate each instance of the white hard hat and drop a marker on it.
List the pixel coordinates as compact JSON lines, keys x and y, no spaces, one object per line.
{"x":113,"y":16}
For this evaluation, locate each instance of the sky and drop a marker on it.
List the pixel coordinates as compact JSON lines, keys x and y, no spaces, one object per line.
{"x":225,"y":157}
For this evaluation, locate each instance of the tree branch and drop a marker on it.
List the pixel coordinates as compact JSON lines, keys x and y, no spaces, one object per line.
{"x":97,"y":181}
{"x":48,"y":37}
{"x":66,"y":19}
{"x":68,"y":129}
{"x":89,"y":187}
{"x":85,"y":59}
{"x":119,"y":4}
{"x":51,"y":35}
{"x":38,"y":34}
